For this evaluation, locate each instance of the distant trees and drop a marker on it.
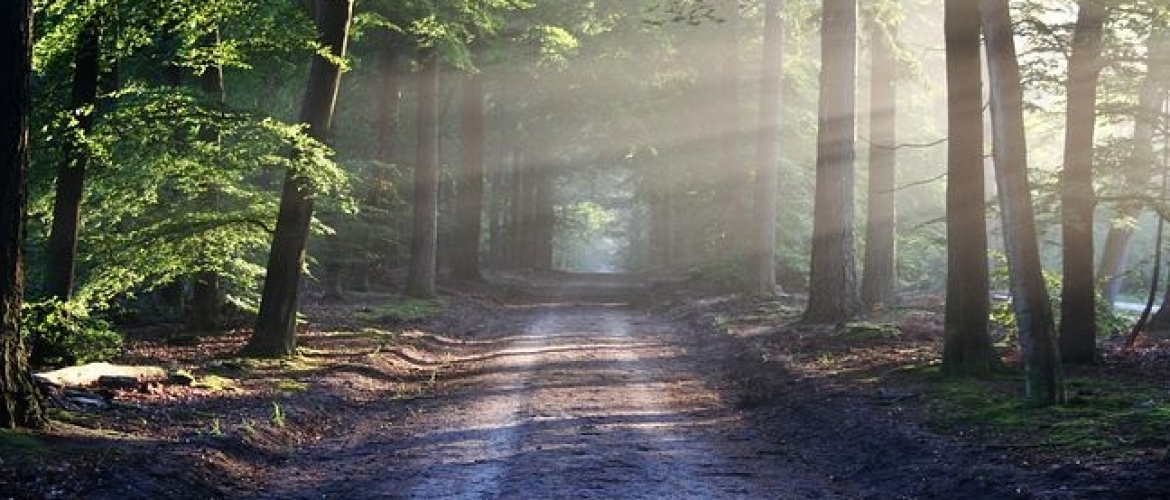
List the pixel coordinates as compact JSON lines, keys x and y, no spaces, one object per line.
{"x":424,"y":235}
{"x":833,"y":293}
{"x":763,"y":254}
{"x":20,"y":404}
{"x":879,"y":278}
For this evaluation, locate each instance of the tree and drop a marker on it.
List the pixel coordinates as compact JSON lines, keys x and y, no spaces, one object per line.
{"x":205,"y":287}
{"x":424,"y":233}
{"x":469,"y":205}
{"x":1078,"y":318}
{"x":764,"y":210}
{"x":967,"y":348}
{"x":62,"y":254}
{"x":833,"y":294}
{"x":1044,"y":382}
{"x":274,"y":334}
{"x":20,"y":404}
{"x":1138,"y":171}
{"x":880,"y":273}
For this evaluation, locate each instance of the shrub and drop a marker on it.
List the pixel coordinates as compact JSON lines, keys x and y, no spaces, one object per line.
{"x":64,"y":334}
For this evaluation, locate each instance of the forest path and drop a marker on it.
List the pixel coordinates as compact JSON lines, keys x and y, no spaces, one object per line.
{"x":580,"y":401}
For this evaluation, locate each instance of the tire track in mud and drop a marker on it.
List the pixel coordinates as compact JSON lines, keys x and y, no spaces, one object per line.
{"x":587,"y":402}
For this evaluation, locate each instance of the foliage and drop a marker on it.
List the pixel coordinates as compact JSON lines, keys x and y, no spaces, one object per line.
{"x":64,"y":334}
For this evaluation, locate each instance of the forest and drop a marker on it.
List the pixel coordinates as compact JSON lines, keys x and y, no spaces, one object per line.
{"x":584,"y":249}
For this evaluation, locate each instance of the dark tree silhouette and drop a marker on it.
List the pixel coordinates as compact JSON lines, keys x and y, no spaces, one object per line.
{"x":275,"y":330}
{"x":967,"y":348}
{"x":20,"y":404}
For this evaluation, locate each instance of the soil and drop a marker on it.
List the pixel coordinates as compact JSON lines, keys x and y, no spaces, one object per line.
{"x":552,"y":387}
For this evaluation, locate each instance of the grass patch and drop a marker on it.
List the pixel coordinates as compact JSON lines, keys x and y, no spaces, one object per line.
{"x":1102,"y":417}
{"x":865,"y":330}
{"x":291,"y":386}
{"x":400,"y":310}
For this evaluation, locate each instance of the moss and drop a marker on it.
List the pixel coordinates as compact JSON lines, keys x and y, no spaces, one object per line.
{"x":216,"y":383}
{"x":13,"y":442}
{"x":401,"y":310}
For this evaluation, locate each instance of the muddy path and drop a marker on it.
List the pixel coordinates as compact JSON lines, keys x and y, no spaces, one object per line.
{"x":578,"y":401}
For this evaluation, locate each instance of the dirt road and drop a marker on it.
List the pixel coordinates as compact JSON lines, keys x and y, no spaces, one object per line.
{"x":580,"y":402}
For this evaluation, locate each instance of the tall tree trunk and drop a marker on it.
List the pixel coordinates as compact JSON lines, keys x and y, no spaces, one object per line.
{"x":880,"y":274}
{"x":206,"y":298}
{"x":833,"y":294}
{"x":736,"y":179}
{"x":62,"y":251}
{"x":967,"y":348}
{"x":425,"y":227}
{"x":20,"y":404}
{"x":1044,"y":382}
{"x":544,"y":215}
{"x":275,"y":332}
{"x":389,"y":128}
{"x":764,"y":211}
{"x":1078,"y":312}
{"x":469,"y":206}
{"x":1141,"y":163}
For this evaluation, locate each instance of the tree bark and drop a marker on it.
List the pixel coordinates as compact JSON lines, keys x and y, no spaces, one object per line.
{"x":275,"y":330}
{"x":880,"y":274}
{"x":70,"y":188}
{"x":1078,"y":312}
{"x":425,"y":227}
{"x":967,"y":348}
{"x":1044,"y":384}
{"x":465,"y":264}
{"x":833,"y":294}
{"x":20,"y":404}
{"x":763,"y":260}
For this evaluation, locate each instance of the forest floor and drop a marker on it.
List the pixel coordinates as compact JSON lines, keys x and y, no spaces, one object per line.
{"x":590,"y":387}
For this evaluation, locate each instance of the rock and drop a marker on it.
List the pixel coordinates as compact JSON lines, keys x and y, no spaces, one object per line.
{"x":89,"y":375}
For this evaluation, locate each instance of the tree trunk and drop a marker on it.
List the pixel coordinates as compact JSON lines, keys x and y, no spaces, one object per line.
{"x":20,"y":404}
{"x":763,"y":260}
{"x":206,"y":297}
{"x":425,"y":227}
{"x":275,"y":331}
{"x":967,"y":348}
{"x":544,"y":216}
{"x":62,"y":251}
{"x":880,"y":274}
{"x":1078,"y":312}
{"x":1141,"y":164}
{"x":469,"y":206}
{"x":833,"y":294}
{"x":1044,"y":383}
